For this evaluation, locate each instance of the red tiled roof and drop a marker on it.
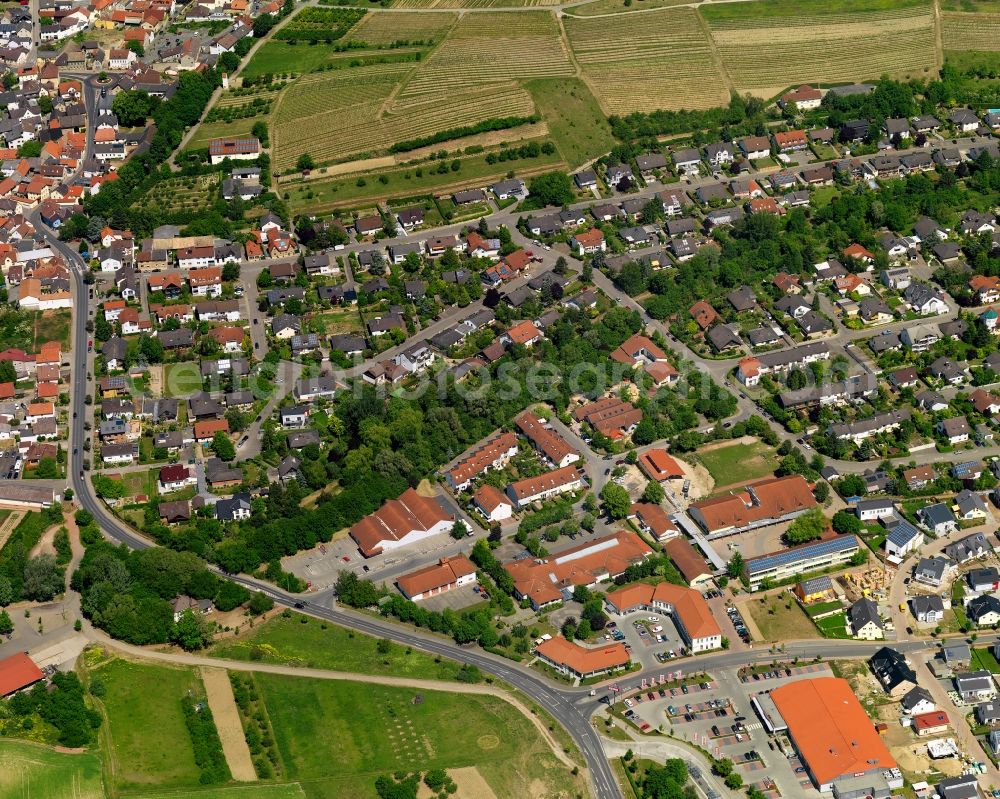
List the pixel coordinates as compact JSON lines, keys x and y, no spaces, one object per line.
{"x":17,"y":672}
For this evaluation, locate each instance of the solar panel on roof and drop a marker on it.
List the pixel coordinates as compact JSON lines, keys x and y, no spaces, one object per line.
{"x":793,"y":555}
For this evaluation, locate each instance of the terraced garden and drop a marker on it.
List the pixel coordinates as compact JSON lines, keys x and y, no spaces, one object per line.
{"x":637,"y":62}
{"x":847,"y":42}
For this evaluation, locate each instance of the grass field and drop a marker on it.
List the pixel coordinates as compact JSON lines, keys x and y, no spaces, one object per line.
{"x":834,"y":626}
{"x":181,"y":379}
{"x":966,"y":59}
{"x":847,"y":40}
{"x":338,"y":736}
{"x":983,"y":658}
{"x":29,"y":771}
{"x":338,"y":320}
{"x":53,"y":326}
{"x":289,"y":641}
{"x":624,"y":58}
{"x":738,"y":463}
{"x":405,"y":182}
{"x":257,"y":791}
{"x":146,"y":741}
{"x":576,"y":123}
{"x":145,"y":482}
{"x":777,"y":622}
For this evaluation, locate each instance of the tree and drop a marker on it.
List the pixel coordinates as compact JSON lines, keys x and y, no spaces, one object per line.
{"x":43,"y":578}
{"x":846,"y":522}
{"x":552,"y":188}
{"x":222,"y":445}
{"x":807,"y":527}
{"x":616,"y":500}
{"x":822,"y":492}
{"x":734,"y":780}
{"x":47,"y":469}
{"x":6,"y":625}
{"x":231,"y":271}
{"x":305,"y":162}
{"x":150,"y":348}
{"x":458,"y":530}
{"x":7,"y":373}
{"x":355,"y":592}
{"x":191,"y":631}
{"x":735,"y":566}
{"x":653,"y":492}
{"x":260,"y":603}
{"x":6,"y":592}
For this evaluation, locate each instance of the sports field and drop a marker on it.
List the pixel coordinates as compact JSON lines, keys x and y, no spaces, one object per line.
{"x":30,"y":770}
{"x":738,"y":462}
{"x":337,"y":737}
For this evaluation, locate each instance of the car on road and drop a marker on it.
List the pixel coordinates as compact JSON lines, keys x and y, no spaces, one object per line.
{"x":300,"y":605}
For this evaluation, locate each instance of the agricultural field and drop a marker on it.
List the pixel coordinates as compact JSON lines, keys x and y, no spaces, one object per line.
{"x":473,"y":3}
{"x":599,"y":7}
{"x":484,"y":50}
{"x":383,"y":30}
{"x":288,"y":790}
{"x":31,"y":770}
{"x":971,"y":31}
{"x":319,"y":24}
{"x":145,"y":740}
{"x":337,"y":737}
{"x":836,"y":43}
{"x":626,"y":60}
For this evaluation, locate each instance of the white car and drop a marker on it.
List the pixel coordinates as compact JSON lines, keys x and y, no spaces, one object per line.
{"x":654,"y":618}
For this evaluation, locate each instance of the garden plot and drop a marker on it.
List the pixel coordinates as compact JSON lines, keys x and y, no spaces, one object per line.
{"x":489,"y":49}
{"x":821,"y":47}
{"x":633,"y":61}
{"x":970,"y":31}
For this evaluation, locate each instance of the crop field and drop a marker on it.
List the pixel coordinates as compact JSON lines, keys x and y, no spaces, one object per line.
{"x":473,"y":3}
{"x":319,"y":24}
{"x":970,"y":31}
{"x":336,"y":114}
{"x":823,"y":47}
{"x":379,"y":30}
{"x":637,"y":62}
{"x":619,"y":7}
{"x":487,"y":49}
{"x":30,"y":770}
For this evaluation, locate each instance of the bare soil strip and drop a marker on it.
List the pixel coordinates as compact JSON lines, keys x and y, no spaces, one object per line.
{"x":227,"y":722}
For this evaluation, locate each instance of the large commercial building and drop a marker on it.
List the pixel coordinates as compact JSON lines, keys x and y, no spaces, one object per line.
{"x":578,"y":661}
{"x":552,"y":579}
{"x":686,"y":606}
{"x":399,"y":523}
{"x":835,"y":739}
{"x":758,"y":505}
{"x":787,"y":563}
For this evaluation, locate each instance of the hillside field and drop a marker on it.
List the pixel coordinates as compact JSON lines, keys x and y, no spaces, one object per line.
{"x":427,"y":78}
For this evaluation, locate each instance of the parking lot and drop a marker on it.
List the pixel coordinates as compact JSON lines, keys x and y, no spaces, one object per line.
{"x":717,"y":716}
{"x":651,"y":638}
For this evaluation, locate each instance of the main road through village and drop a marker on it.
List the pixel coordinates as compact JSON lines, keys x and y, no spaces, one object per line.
{"x":570,"y":706}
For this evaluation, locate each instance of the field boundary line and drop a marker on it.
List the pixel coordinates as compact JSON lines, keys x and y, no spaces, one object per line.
{"x":714,"y":53}
{"x":329,"y":674}
{"x":938,"y":35}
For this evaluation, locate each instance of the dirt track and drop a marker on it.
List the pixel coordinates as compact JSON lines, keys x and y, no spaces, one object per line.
{"x":227,"y":722}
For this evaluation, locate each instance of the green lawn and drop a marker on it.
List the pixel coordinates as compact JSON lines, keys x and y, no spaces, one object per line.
{"x":146,"y":741}
{"x":30,"y":770}
{"x":181,"y":379}
{"x":220,"y":128}
{"x":146,"y":482}
{"x":738,"y":463}
{"x":983,"y":658}
{"x":823,"y":607}
{"x":339,"y":736}
{"x":833,"y":626}
{"x":337,"y":320}
{"x":963,"y":60}
{"x":578,"y":127}
{"x":276,"y":57}
{"x":404,"y":182}
{"x":290,"y":641}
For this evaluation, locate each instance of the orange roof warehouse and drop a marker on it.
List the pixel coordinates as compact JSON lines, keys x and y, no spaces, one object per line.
{"x":835,"y":739}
